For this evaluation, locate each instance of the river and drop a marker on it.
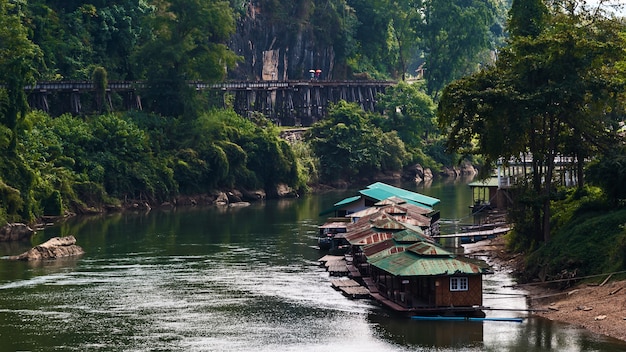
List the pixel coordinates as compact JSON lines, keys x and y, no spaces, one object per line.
{"x":236,"y":279}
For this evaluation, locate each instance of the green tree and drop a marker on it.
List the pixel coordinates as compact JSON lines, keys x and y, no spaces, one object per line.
{"x":540,"y":99}
{"x":348,"y":145}
{"x":406,"y":15}
{"x":527,"y":18}
{"x":410,"y":112}
{"x":454,"y":36}
{"x":188,"y":43}
{"x":100,"y":83}
{"x":609,"y":172}
{"x":19,"y":60}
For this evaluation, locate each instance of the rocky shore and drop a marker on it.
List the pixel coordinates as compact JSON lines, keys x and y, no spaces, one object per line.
{"x":599,"y":308}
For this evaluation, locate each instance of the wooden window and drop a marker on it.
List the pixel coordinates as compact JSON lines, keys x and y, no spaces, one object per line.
{"x":458,"y":284}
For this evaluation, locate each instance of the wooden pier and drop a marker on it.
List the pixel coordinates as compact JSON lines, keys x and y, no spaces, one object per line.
{"x":475,"y":236}
{"x":350,"y":288}
{"x":335,"y":265}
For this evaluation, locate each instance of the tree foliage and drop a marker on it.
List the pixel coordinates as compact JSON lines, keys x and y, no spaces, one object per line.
{"x":188,"y":43}
{"x":410,"y":112}
{"x":455,"y":34}
{"x":349,"y":145}
{"x":609,"y":172}
{"x":19,"y":59}
{"x":551,"y":94}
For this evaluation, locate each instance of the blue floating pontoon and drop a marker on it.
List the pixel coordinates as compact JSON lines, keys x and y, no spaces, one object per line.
{"x":439,"y":317}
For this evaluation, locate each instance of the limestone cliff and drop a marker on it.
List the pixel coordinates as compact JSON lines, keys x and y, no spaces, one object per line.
{"x":281,"y":49}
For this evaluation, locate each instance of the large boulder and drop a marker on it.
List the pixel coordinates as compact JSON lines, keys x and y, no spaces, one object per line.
{"x":57,"y":247}
{"x":417,"y":173}
{"x":15,"y":232}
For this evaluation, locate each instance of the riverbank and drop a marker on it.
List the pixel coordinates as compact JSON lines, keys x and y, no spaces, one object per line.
{"x":599,"y":308}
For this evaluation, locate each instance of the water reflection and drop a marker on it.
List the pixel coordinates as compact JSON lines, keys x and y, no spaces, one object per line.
{"x":441,"y":334}
{"x":230,"y":279}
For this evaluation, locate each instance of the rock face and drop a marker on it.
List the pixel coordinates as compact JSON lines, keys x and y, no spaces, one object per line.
{"x":15,"y":232}
{"x":57,"y":247}
{"x":272,"y":51}
{"x":417,"y":173}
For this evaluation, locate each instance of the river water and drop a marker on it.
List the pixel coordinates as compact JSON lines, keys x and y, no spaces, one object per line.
{"x":236,"y":279}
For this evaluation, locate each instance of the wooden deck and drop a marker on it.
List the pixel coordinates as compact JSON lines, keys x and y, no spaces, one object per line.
{"x":474,"y":236}
{"x":336,"y":265}
{"x":350,"y":288}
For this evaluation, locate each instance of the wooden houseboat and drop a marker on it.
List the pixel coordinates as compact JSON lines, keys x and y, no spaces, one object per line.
{"x":413,"y":205}
{"x":425,"y":279}
{"x":392,"y":252}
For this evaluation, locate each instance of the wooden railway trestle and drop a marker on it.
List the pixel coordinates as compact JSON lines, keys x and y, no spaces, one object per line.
{"x":292,"y":103}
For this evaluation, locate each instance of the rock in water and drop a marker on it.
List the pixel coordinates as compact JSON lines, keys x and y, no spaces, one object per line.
{"x":15,"y":232}
{"x":57,"y":247}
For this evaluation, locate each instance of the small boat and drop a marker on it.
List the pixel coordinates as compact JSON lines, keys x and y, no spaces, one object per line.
{"x":456,"y":318}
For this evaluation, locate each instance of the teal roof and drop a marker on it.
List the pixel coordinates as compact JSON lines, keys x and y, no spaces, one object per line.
{"x":340,"y":204}
{"x":347,"y":201}
{"x":380,"y":191}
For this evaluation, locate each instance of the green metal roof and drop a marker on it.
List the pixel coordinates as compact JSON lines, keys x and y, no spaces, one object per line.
{"x":340,"y":204}
{"x":429,"y":249}
{"x":408,"y":263}
{"x":382,"y":249}
{"x":347,"y":201}
{"x":380,"y":191}
{"x":409,"y":235}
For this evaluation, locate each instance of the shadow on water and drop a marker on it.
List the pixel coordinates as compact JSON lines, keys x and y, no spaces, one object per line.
{"x":441,"y":334}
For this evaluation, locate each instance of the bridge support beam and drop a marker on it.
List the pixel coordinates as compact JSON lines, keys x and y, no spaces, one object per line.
{"x":292,"y":103}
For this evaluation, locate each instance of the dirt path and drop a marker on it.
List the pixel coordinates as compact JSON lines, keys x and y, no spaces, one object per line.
{"x":598,"y":308}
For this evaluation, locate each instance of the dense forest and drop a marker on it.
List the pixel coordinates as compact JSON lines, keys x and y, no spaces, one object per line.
{"x":181,"y":143}
{"x":492,"y":80}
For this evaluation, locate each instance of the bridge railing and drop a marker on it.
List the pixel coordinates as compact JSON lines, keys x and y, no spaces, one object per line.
{"x":69,"y":86}
{"x":293,"y":102}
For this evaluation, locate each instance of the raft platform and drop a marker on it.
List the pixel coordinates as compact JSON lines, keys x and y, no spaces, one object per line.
{"x":350,"y":288}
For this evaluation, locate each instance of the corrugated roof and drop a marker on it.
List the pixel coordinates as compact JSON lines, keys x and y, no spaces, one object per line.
{"x":408,"y":263}
{"x":408,"y":235}
{"x":407,"y":195}
{"x":429,"y":249}
{"x":387,"y":224}
{"x":334,"y":225}
{"x":394,"y":210}
{"x":382,"y":249}
{"x":347,"y":201}
{"x":340,"y":203}
{"x":368,"y":238}
{"x":380,"y":191}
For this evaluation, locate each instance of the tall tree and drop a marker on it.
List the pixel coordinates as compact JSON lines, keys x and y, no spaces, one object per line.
{"x":454,"y":34}
{"x":527,"y":18}
{"x":541,"y":98}
{"x":188,"y":43}
{"x":406,"y":15}
{"x":409,"y":111}
{"x":19,"y":59}
{"x":349,"y":145}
